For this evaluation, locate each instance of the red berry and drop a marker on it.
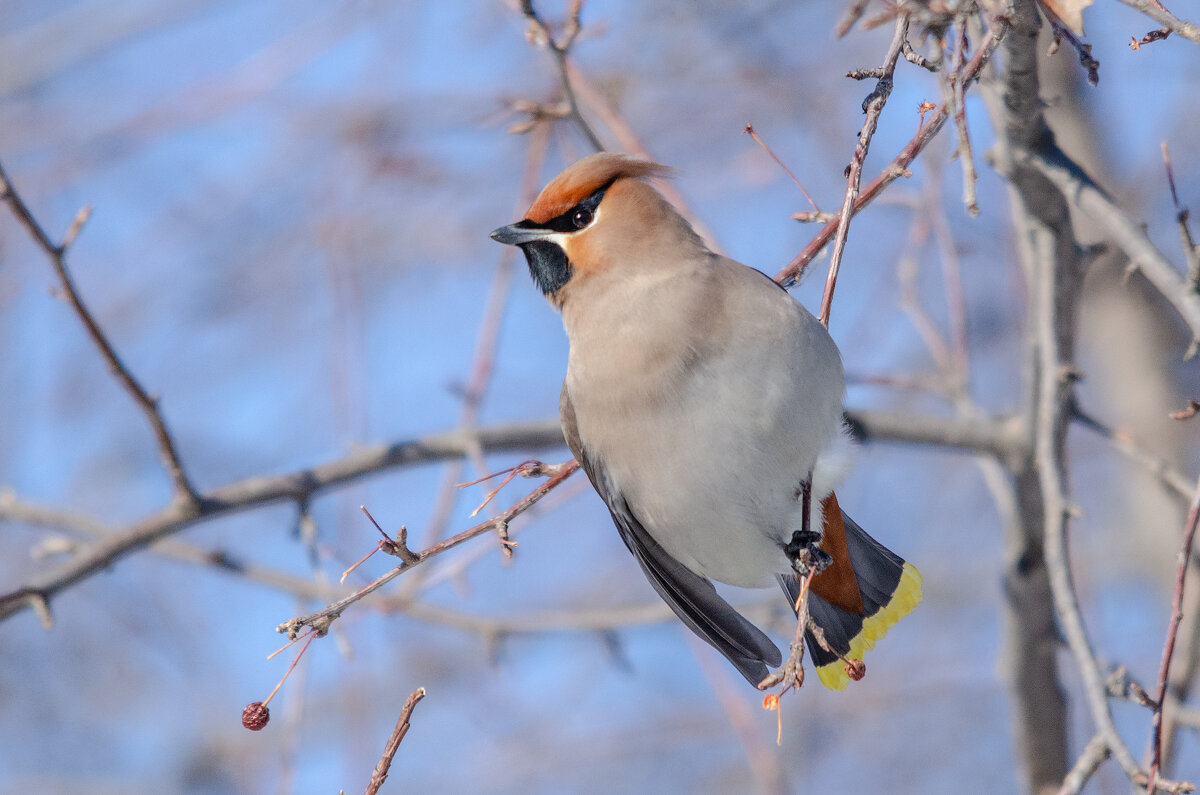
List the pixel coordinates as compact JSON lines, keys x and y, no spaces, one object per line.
{"x":856,"y":669}
{"x":256,"y":716}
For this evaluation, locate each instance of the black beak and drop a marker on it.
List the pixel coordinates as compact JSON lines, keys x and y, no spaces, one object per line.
{"x":517,"y":235}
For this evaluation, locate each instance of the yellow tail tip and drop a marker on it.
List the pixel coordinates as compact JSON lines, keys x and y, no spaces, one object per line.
{"x":904,"y":600}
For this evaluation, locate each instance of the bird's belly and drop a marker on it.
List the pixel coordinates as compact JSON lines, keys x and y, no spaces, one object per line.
{"x":720,"y":499}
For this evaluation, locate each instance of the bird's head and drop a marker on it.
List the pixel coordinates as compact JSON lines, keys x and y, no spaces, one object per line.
{"x":596,"y":215}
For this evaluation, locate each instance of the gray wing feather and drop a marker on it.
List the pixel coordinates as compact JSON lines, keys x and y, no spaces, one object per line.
{"x":692,"y":597}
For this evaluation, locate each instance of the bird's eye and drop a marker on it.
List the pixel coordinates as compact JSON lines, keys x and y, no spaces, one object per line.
{"x":581,"y":218}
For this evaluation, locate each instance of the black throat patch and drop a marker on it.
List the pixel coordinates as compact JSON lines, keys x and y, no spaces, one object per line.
{"x":548,"y":265}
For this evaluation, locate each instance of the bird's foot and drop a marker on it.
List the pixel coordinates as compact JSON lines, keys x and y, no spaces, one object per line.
{"x":805,"y":552}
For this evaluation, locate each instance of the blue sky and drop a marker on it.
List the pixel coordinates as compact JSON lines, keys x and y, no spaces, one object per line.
{"x":289,"y":246}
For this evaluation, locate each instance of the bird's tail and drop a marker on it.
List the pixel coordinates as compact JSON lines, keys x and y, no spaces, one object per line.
{"x":855,"y":601}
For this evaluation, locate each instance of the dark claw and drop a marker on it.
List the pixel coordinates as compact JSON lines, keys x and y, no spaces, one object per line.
{"x":821,"y":559}
{"x":801,"y":539}
{"x":805,"y":553}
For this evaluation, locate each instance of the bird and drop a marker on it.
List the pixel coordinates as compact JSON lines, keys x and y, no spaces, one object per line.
{"x":703,"y":401}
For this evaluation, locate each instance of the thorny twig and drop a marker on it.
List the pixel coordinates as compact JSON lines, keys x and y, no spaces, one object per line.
{"x":185,"y":492}
{"x":1185,"y":553}
{"x":899,"y":165}
{"x":321,"y":620}
{"x":872,"y":107}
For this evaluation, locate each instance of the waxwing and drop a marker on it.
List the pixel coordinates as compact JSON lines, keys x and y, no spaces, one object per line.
{"x":702,"y":400}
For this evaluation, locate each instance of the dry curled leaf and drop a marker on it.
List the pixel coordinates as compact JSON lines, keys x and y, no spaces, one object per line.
{"x":1187,"y":412}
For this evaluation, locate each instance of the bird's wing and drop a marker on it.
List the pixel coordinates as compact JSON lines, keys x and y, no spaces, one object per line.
{"x":692,"y":597}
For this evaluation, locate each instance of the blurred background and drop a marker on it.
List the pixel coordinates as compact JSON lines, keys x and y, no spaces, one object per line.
{"x":289,"y":246}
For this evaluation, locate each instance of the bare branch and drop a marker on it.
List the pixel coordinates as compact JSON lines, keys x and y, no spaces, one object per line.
{"x":1191,"y":251}
{"x":1124,"y":232}
{"x":561,"y":48}
{"x":853,"y":13}
{"x":816,"y":211}
{"x":1062,"y":31}
{"x":899,"y":165}
{"x":1185,"y":554}
{"x":1156,"y":11}
{"x":628,"y":140}
{"x":957,"y":96}
{"x":321,"y":620}
{"x":872,"y":107}
{"x":380,"y":774}
{"x":254,"y":492}
{"x":1095,"y":753}
{"x":1004,"y":439}
{"x":1170,"y":477}
{"x":184,"y":491}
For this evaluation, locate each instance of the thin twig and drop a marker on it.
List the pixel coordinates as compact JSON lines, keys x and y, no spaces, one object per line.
{"x":1062,"y":31}
{"x":1095,"y":753}
{"x":816,"y":213}
{"x":323,"y":618}
{"x":380,"y":773}
{"x":854,"y":12}
{"x":915,"y":58}
{"x":957,"y":91}
{"x":956,"y":304}
{"x":561,"y":48}
{"x":1190,"y":250}
{"x":899,"y":165}
{"x":1167,"y":475}
{"x":1185,"y":554}
{"x":872,"y":106}
{"x":185,"y":492}
{"x":1156,"y":11}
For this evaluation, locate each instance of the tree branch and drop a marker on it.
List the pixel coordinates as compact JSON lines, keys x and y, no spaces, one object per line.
{"x":1185,"y":554}
{"x":872,"y":106}
{"x":254,"y":492}
{"x":1122,"y":230}
{"x":1095,"y":753}
{"x":57,"y":252}
{"x":1004,"y":439}
{"x":1156,"y":11}
{"x":380,"y":774}
{"x":899,"y":165}
{"x":561,"y":48}
{"x":323,"y":618}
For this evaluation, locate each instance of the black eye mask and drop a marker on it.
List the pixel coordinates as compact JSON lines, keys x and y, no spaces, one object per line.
{"x":574,"y":219}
